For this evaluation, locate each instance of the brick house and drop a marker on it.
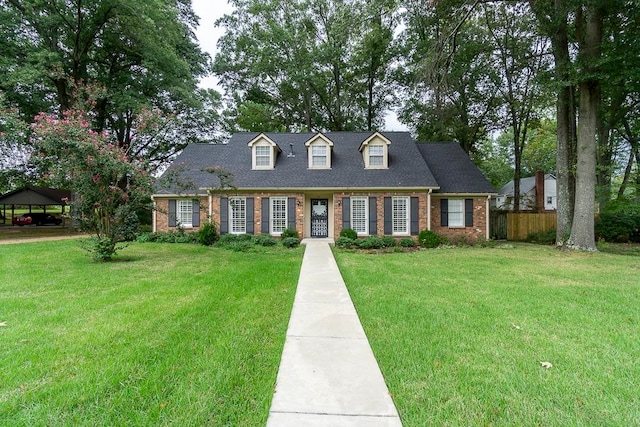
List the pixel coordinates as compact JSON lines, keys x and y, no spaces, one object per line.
{"x":374,"y":183}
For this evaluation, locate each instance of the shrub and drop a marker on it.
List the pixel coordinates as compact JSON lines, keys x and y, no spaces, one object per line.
{"x":264,"y":240}
{"x":349,"y":232}
{"x":619,"y":222}
{"x":168,"y":237}
{"x":345,"y":242}
{"x":370,"y":242}
{"x":543,"y":237}
{"x":388,"y":241}
{"x":407,"y":242}
{"x":485,"y":243}
{"x":290,"y":242}
{"x":289,"y":232}
{"x":207,"y":235}
{"x":240,"y":245}
{"x":429,"y":239}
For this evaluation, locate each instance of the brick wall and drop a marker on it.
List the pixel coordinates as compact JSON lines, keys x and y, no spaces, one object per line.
{"x":337,"y":205}
{"x":162,"y":214}
{"x":471,"y":234}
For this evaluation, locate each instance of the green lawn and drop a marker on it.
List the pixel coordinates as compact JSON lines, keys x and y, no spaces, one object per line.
{"x":165,"y":335}
{"x":460,"y":333}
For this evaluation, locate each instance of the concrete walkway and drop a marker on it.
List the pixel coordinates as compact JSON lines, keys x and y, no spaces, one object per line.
{"x":328,"y":375}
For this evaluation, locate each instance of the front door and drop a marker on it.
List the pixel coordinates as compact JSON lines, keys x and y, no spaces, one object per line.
{"x":319,"y":218}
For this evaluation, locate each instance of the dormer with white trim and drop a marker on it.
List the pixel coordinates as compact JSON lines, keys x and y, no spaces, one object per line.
{"x":319,"y":152}
{"x":263,"y":152}
{"x":375,"y":151}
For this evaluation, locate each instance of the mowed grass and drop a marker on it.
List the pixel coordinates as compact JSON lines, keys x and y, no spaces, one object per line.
{"x":460,"y":333}
{"x":165,"y":335}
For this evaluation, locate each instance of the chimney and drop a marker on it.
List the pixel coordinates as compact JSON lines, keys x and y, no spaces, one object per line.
{"x":539,"y":191}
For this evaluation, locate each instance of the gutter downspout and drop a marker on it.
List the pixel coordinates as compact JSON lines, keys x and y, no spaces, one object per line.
{"x":487,"y":216}
{"x":429,"y":209}
{"x":153,"y":216}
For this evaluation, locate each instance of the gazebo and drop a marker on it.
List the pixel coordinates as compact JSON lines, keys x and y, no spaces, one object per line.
{"x":33,"y":196}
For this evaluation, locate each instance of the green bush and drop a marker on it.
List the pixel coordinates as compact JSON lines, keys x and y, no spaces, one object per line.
{"x":168,"y":237}
{"x":265,"y":240}
{"x":207,"y":235}
{"x":389,"y":241}
{"x":619,"y":222}
{"x":290,"y":242}
{"x":229,"y":239}
{"x":407,"y":242}
{"x":542,"y":238}
{"x":240,"y":245}
{"x":289,"y":232}
{"x":370,"y":242}
{"x":429,"y":239}
{"x":349,"y":232}
{"x":345,"y":242}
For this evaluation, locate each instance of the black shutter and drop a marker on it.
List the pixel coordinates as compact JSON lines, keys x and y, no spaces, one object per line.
{"x":265,"y":215}
{"x":291,"y":213}
{"x":373,"y":216}
{"x":195,"y":214}
{"x":444,"y":212}
{"x":224,"y":215}
{"x":249,"y":215}
{"x":415,"y":216}
{"x":388,"y":216}
{"x":172,"y":213}
{"x":346,"y":212}
{"x":468,"y":213}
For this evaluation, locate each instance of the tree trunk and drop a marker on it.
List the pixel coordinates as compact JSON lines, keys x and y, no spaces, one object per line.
{"x":565,"y":112}
{"x":582,"y":233}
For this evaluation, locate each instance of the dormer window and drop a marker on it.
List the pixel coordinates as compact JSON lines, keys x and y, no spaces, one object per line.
{"x":319,"y":149}
{"x":375,"y":151}
{"x":263,"y":152}
{"x":376,"y":156}
{"x":318,"y":156}
{"x":263,"y":156}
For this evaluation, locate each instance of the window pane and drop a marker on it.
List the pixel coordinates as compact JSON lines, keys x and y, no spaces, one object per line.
{"x":184,"y":212}
{"x":263,"y":156}
{"x":400,"y":215}
{"x":456,"y":213}
{"x":318,"y":155}
{"x":237,"y":215}
{"x":359,"y":215}
{"x":278,"y":215}
{"x":376,"y":155}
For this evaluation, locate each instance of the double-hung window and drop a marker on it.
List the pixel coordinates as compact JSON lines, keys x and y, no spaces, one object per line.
{"x":263,"y":156}
{"x":400,"y":215}
{"x":360,"y":215}
{"x":237,"y":215}
{"x":318,"y":156}
{"x":278,"y":215}
{"x":184,"y":213}
{"x":456,"y":212}
{"x":376,"y":156}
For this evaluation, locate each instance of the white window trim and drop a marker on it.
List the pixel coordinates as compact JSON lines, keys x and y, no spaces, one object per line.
{"x":382,"y":156}
{"x":375,"y":140}
{"x":263,"y":141}
{"x":232,"y":229}
{"x":184,"y":207}
{"x":366,"y":215}
{"x":272,"y":201}
{"x":459,"y":224}
{"x":407,"y":201}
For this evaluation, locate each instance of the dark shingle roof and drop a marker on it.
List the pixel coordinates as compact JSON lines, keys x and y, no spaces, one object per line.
{"x":453,"y":169}
{"x":407,"y":167}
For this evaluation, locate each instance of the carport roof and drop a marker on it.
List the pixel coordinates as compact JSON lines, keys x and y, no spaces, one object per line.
{"x":35,"y":196}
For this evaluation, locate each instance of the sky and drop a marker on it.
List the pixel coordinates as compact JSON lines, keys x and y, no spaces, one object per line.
{"x":209,"y":11}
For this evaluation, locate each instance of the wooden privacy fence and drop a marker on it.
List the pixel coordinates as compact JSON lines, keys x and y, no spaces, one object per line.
{"x":521,"y":224}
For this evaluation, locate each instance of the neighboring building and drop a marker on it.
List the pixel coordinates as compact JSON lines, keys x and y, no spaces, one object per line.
{"x":319,"y":183}
{"x":528,"y":192}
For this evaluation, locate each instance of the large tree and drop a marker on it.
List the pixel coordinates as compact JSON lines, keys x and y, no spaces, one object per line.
{"x":140,"y":54}
{"x":316,"y":65}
